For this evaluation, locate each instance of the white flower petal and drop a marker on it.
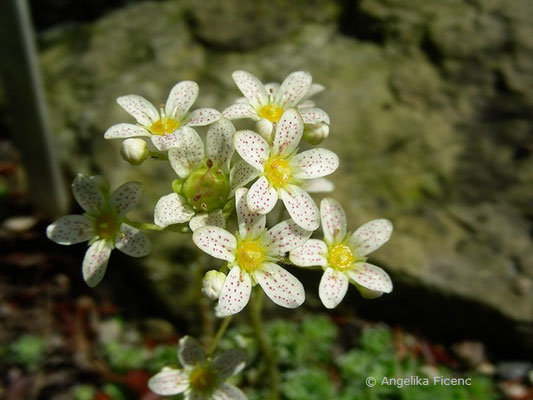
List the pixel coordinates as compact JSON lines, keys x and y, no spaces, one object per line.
{"x":241,"y":174}
{"x":371,"y":236}
{"x":294,"y":88}
{"x":132,"y":241}
{"x":139,"y":108}
{"x":227,"y":391}
{"x":251,"y":87}
{"x":214,"y":218}
{"x":314,"y":115}
{"x":272,"y":88}
{"x":369,"y":294}
{"x":314,"y":89}
{"x":235,"y":292}
{"x":239,"y":111}
{"x":333,"y":287}
{"x":280,"y":286}
{"x":305,"y":104}
{"x":172,"y":209}
{"x":288,"y":133}
{"x":251,"y":224}
{"x":166,"y":142}
{"x":126,"y":197}
{"x":203,"y":116}
{"x":216,"y":242}
{"x":219,"y":142}
{"x":70,"y":229}
{"x":169,"y":382}
{"x":300,"y":207}
{"x":261,"y":197}
{"x":95,"y":262}
{"x":182,"y":96}
{"x":319,"y":185}
{"x":333,"y":220}
{"x":252,"y":148}
{"x":312,"y":253}
{"x":188,"y":154}
{"x":284,"y":237}
{"x":123,"y":131}
{"x":229,"y":363}
{"x":190,"y":352}
{"x":314,"y":163}
{"x":371,"y":277}
{"x":87,"y":194}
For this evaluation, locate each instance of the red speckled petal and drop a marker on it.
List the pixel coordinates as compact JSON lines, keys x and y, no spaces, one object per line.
{"x":172,"y":209}
{"x":167,"y":142}
{"x":87,"y":194}
{"x":241,"y":174}
{"x":219,"y":142}
{"x":182,"y":96}
{"x":333,"y":287}
{"x":284,"y":237}
{"x":280,"y":286}
{"x":70,"y":229}
{"x":294,"y":88}
{"x":227,"y":391}
{"x":252,"y":148}
{"x":262,"y":197}
{"x":312,"y":253}
{"x":169,"y":382}
{"x":229,"y":363}
{"x":333,"y":220}
{"x":190,"y":352}
{"x":314,"y":163}
{"x":371,"y":277}
{"x":203,"y":116}
{"x":132,"y":241}
{"x":139,"y":108}
{"x":124,"y":131}
{"x":188,"y":154}
{"x":288,"y":133}
{"x":235,"y":292}
{"x":214,"y":218}
{"x":251,"y":225}
{"x":95,"y":262}
{"x":251,"y":87}
{"x":239,"y":111}
{"x":314,"y":115}
{"x":300,"y":207}
{"x":126,"y":197}
{"x":216,"y":242}
{"x":371,"y":236}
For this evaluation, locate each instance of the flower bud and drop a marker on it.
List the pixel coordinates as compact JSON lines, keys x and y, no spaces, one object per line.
{"x":265,"y":128}
{"x":134,"y":151}
{"x":212,"y":284}
{"x":316,"y":133}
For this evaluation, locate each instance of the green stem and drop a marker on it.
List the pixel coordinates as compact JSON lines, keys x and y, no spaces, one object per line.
{"x":221,"y":330}
{"x":266,"y":348}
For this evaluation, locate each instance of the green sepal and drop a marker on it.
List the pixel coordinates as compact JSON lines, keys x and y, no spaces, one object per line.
{"x":177,"y":185}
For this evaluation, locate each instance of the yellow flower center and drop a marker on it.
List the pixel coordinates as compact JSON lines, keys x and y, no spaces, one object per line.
{"x":164,"y":126}
{"x":278,"y":172}
{"x":105,"y":226}
{"x":202,"y":379}
{"x":340,"y":257}
{"x":272,"y":112}
{"x":250,"y":255}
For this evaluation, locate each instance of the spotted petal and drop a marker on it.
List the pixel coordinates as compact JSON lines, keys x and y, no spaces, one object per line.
{"x":319,"y":185}
{"x":126,"y":197}
{"x":239,"y":111}
{"x":123,"y":131}
{"x":87,"y":194}
{"x":95,"y":262}
{"x":188,"y":154}
{"x":70,"y":229}
{"x":280,"y":286}
{"x":252,"y":148}
{"x":333,"y":220}
{"x":227,"y":391}
{"x":284,"y":237}
{"x":139,"y":108}
{"x":235,"y":292}
{"x":166,"y":142}
{"x":314,"y":163}
{"x":182,"y":96}
{"x":312,"y":253}
{"x":190,"y":352}
{"x":294,"y":88}
{"x":262,"y":197}
{"x":301,"y":207}
{"x":216,"y":242}
{"x":203,"y":116}
{"x":219,"y":142}
{"x":241,"y":174}
{"x":169,"y":382}
{"x":132,"y":241}
{"x":229,"y":363}
{"x":371,"y":236}
{"x":251,"y":225}
{"x":371,"y":277}
{"x":214,"y":218}
{"x":288,"y":133}
{"x":172,"y":209}
{"x":333,"y":287}
{"x":251,"y":87}
{"x":314,"y":116}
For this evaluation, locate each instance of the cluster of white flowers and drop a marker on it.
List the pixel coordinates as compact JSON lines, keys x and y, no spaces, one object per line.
{"x":211,"y":185}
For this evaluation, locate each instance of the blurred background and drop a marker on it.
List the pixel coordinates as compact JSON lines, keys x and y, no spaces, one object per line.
{"x":431,"y":106}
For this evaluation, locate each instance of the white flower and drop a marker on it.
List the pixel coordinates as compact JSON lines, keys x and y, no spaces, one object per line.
{"x":102,"y":225}
{"x":252,"y":255}
{"x":206,"y":184}
{"x":282,"y":172}
{"x":343,"y":257}
{"x":267,"y":103}
{"x":166,"y":126}
{"x":200,"y":378}
{"x":212,"y":284}
{"x":134,"y":151}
